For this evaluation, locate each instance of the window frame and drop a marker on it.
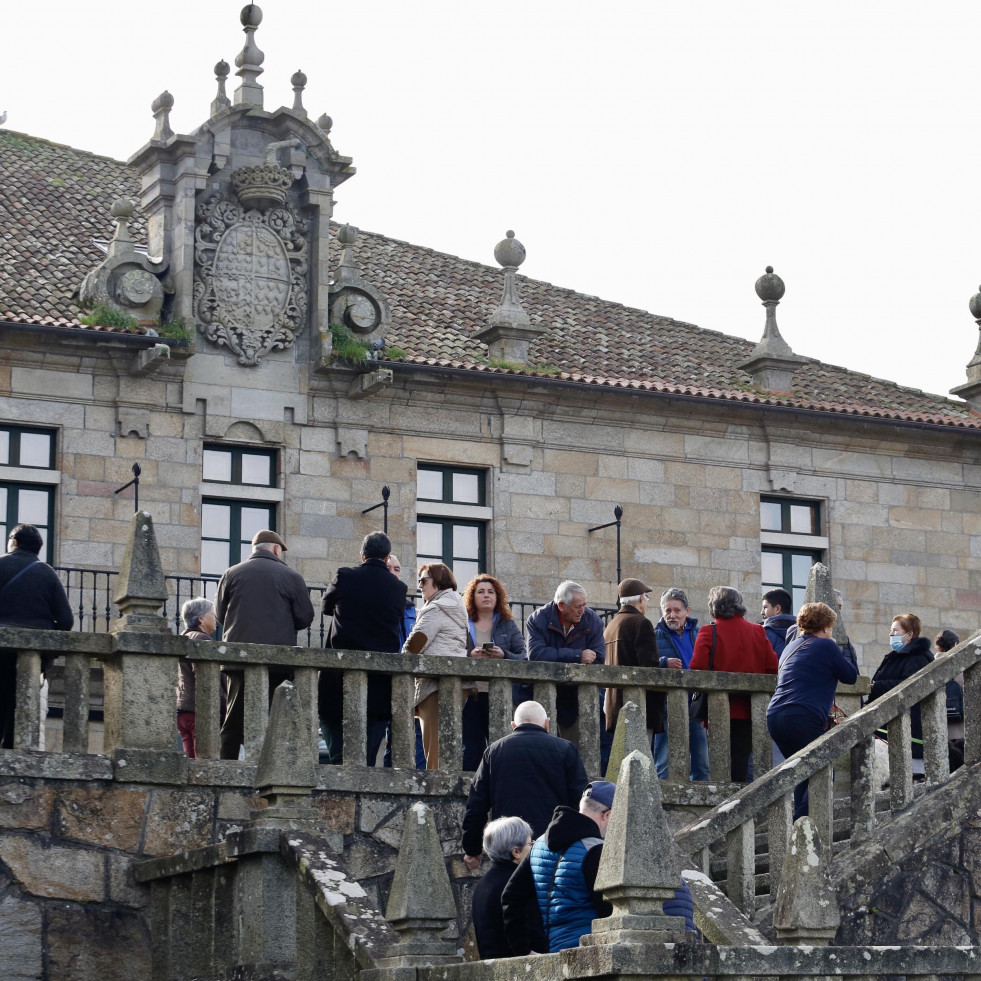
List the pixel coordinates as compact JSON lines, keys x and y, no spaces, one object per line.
{"x":234,"y":525}
{"x":787,"y":543}
{"x":237,"y":452}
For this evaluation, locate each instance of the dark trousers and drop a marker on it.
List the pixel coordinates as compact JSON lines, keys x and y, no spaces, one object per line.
{"x":233,"y":726}
{"x":740,"y":749}
{"x":793,"y":729}
{"x":334,"y":740}
{"x":476,"y":726}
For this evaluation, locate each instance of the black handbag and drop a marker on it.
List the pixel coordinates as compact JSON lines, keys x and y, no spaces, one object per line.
{"x":698,"y":708}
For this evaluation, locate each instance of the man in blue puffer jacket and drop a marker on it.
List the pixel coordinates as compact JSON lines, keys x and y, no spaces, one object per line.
{"x":560,"y":873}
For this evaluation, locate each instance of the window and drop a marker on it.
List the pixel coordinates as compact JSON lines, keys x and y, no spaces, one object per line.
{"x":247,"y":503}
{"x":791,"y":540}
{"x":27,"y":481}
{"x":451,"y":519}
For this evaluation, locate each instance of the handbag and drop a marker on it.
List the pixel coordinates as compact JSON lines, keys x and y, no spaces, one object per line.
{"x":698,"y":709}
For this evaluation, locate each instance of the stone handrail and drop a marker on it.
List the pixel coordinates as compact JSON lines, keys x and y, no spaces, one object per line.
{"x":140,"y":672}
{"x":769,"y":796}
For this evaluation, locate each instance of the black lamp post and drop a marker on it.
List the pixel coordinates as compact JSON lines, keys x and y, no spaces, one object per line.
{"x":135,"y":484}
{"x":383,"y":503}
{"x":618,"y":515}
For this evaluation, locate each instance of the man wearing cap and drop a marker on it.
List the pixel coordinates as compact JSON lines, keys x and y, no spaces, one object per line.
{"x":560,"y":874}
{"x":366,"y":604}
{"x":631,"y":642}
{"x":259,"y":601}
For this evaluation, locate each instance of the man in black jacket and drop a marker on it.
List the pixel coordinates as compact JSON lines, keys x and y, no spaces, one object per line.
{"x":526,"y":774}
{"x":367,"y":604}
{"x":31,"y":595}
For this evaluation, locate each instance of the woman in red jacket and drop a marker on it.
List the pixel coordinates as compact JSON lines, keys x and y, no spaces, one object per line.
{"x":739,"y":646}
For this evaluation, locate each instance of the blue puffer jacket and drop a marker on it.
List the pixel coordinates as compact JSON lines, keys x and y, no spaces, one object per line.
{"x":566,"y":901}
{"x":665,"y":645}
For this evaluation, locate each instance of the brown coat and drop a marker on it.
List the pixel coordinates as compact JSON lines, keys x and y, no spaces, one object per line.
{"x":631,"y":642}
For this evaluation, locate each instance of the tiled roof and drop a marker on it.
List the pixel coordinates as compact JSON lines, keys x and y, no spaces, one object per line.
{"x":55,"y":200}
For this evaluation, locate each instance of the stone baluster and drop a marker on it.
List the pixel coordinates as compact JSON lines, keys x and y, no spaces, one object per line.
{"x":936,"y":759}
{"x":420,"y":904}
{"x":779,"y":818}
{"x":679,"y":750}
{"x":637,"y":870}
{"x":207,"y":709}
{"x":589,"y":729}
{"x":762,"y":742}
{"x":403,"y":725}
{"x":899,"y":731}
{"x":450,"y":724}
{"x":863,"y":789}
{"x":821,"y":804}
{"x":255,"y":706}
{"x":545,"y":695}
{"x":27,"y":719}
{"x":355,"y":717}
{"x":501,"y":709}
{"x":629,"y":736}
{"x":75,"y":732}
{"x":972,"y":713}
{"x":741,"y":866}
{"x":141,"y":671}
{"x":806,"y":908}
{"x":718,"y":735}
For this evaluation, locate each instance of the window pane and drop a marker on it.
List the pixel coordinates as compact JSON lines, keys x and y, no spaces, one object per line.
{"x":32,"y":506}
{"x":466,"y":542}
{"x":214,"y":558}
{"x":770,"y":516}
{"x":35,"y":450}
{"x":3,"y":514}
{"x":256,"y":469}
{"x":802,"y":519}
{"x":253,"y":520}
{"x":4,"y":446}
{"x":429,"y":539}
{"x":800,"y":566}
{"x":244,"y":551}
{"x":798,"y":597}
{"x":772,"y":568}
{"x":464,"y":572}
{"x":216,"y":521}
{"x":430,"y":485}
{"x":217,"y":465}
{"x":466,"y":488}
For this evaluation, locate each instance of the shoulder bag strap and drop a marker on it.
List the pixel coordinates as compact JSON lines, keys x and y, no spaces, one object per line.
{"x":13,"y":579}
{"x":712,"y":650}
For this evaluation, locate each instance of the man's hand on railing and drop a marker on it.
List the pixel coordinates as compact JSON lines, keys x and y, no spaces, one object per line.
{"x":473,"y":862}
{"x":587,"y":656}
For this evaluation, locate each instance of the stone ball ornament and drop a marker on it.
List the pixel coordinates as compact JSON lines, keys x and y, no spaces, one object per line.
{"x":509,"y":251}
{"x":975,"y":305}
{"x":251,"y":15}
{"x":122,"y":208}
{"x":770,"y":287}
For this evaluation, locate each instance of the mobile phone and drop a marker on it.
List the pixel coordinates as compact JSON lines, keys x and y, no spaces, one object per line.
{"x":488,"y":647}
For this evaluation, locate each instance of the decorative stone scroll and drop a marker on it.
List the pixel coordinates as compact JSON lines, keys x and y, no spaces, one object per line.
{"x":250,"y":266}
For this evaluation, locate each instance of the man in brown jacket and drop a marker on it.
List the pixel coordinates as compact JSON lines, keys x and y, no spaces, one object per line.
{"x":259,"y":601}
{"x":631,"y":642}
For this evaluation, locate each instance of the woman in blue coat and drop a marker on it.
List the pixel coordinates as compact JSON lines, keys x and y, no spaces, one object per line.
{"x":810,"y":669}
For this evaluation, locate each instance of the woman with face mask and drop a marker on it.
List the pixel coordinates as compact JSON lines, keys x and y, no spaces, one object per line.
{"x":909,"y":653}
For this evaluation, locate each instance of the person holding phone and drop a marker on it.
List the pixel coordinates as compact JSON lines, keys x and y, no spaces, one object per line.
{"x":493,"y":634}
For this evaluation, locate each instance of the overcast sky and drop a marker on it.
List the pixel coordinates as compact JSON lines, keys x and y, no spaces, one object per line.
{"x":659,"y":154}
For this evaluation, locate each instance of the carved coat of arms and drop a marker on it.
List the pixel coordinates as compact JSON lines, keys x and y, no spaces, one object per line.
{"x":250,"y":265}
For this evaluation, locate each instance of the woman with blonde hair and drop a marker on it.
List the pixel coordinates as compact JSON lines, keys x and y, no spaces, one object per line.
{"x":810,"y":669}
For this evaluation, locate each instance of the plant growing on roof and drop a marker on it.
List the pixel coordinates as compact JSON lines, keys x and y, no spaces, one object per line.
{"x":346,"y":347}
{"x":106,"y":315}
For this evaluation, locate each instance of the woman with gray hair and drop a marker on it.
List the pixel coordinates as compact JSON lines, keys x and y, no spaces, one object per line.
{"x":732,"y":643}
{"x":198,"y":616}
{"x":506,"y":841}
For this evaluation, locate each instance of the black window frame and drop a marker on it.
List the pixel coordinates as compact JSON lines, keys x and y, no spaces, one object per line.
{"x":234,"y":525}
{"x":236,"y":453}
{"x":15,"y":433}
{"x":447,"y":474}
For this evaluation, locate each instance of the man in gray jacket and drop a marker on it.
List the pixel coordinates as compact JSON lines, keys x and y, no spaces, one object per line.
{"x":259,"y":601}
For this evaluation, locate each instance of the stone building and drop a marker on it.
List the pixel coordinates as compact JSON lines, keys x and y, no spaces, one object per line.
{"x":265,"y":368}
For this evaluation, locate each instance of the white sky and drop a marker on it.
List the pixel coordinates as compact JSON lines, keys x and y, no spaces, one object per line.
{"x":659,"y":154}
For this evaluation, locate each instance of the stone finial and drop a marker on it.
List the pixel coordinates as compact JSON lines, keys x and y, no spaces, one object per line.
{"x":221,"y":101}
{"x":629,"y":736}
{"x":122,"y":210}
{"x":806,"y":907}
{"x":285,"y":774}
{"x":421,"y":905}
{"x":354,"y":302}
{"x":971,"y":392}
{"x":772,"y":363}
{"x":637,"y":871}
{"x":249,"y":59}
{"x":298,"y":81}
{"x":161,"y":107}
{"x":820,"y":589}
{"x":509,"y":331}
{"x":326,"y":124}
{"x":141,"y":589}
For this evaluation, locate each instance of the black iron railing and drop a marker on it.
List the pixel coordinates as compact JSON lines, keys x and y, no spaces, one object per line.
{"x":90,"y":593}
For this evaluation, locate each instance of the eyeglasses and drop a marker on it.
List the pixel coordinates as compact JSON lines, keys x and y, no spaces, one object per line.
{"x":423,"y":579}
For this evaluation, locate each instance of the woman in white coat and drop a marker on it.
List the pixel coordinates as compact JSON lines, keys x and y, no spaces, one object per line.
{"x":440,"y":628}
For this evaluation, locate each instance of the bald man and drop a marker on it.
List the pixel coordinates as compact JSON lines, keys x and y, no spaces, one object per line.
{"x":526,"y":774}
